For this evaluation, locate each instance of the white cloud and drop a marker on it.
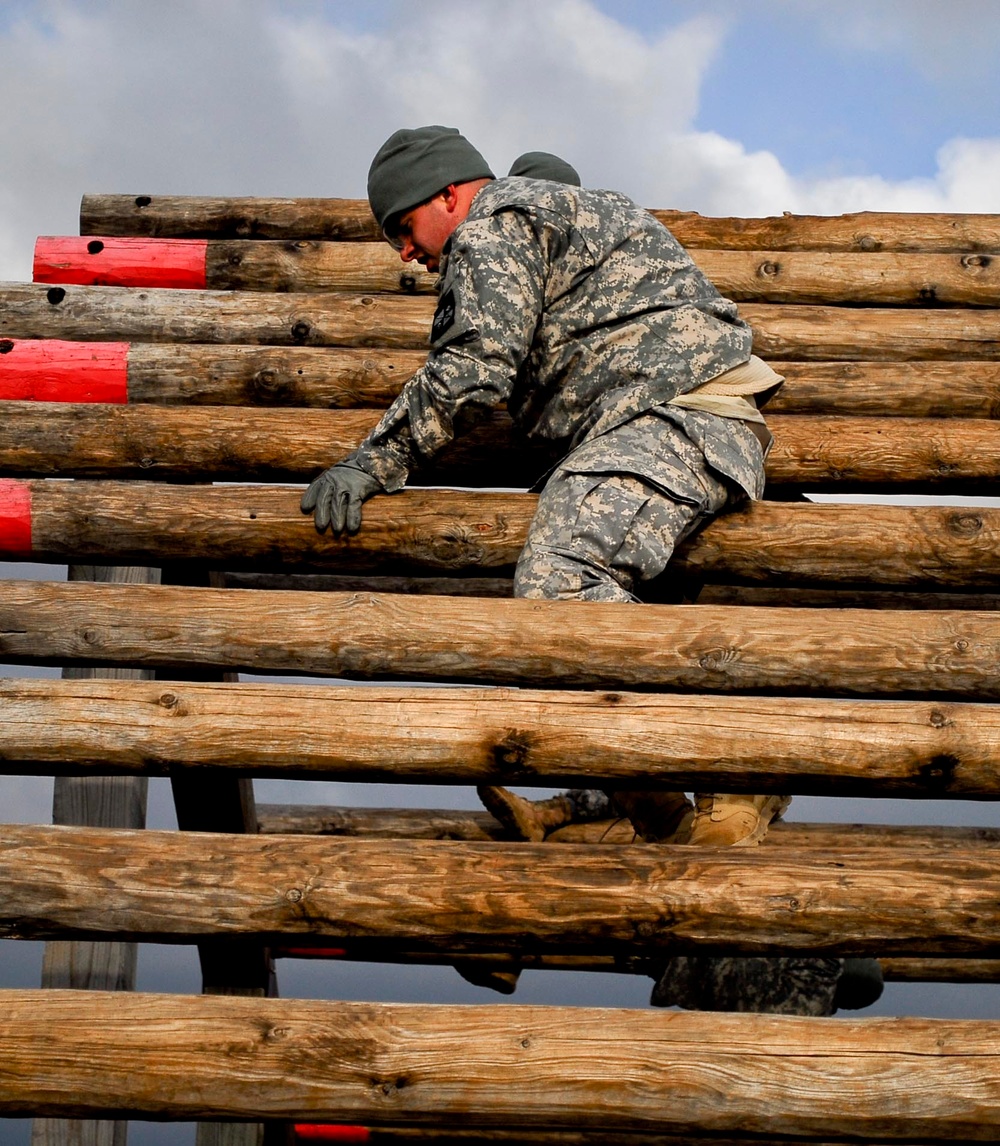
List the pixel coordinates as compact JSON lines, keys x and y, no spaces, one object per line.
{"x":255,"y":97}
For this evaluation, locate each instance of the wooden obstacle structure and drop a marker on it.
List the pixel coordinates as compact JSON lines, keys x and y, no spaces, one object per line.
{"x":831,"y":649}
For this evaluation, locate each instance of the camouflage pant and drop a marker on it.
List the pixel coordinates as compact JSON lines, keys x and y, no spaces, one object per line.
{"x":784,"y":985}
{"x":610,"y":517}
{"x":614,"y":510}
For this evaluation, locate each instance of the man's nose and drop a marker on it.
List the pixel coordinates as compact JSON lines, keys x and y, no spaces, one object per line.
{"x":408,"y":252}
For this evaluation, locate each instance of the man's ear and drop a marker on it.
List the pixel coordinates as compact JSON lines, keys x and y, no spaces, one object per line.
{"x":450,"y":196}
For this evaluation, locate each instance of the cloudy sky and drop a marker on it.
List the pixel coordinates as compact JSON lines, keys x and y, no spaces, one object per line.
{"x":725,"y":106}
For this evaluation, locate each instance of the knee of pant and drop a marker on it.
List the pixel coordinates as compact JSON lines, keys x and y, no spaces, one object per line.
{"x":554,"y":574}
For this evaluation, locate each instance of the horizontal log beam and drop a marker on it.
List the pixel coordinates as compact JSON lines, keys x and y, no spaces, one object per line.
{"x":433,"y":586}
{"x":175,"y":887}
{"x":330,"y":377}
{"x":706,"y":594}
{"x":835,"y":278}
{"x":523,"y":1067}
{"x":191,"y":216}
{"x":479,"y":532}
{"x":710,"y":594}
{"x":477,"y":736}
{"x":552,"y":643}
{"x":396,"y":322}
{"x":895,"y":969}
{"x":452,"y":824}
{"x":952,"y":455}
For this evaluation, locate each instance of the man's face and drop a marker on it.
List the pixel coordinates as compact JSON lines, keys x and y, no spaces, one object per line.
{"x":421,"y":232}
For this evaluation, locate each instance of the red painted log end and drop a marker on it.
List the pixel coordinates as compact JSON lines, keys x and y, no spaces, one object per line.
{"x":15,"y":518}
{"x":88,"y":261}
{"x":51,"y":370}
{"x":306,"y":1132}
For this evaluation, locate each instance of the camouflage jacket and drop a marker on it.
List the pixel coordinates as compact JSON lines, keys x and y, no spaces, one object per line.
{"x":576,"y":308}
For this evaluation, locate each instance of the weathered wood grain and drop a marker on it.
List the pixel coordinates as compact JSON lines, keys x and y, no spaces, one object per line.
{"x":952,"y":455}
{"x":205,"y":217}
{"x":397,"y":322}
{"x":523,"y":1067}
{"x":482,"y":533}
{"x":489,"y":736}
{"x":246,"y":375}
{"x":693,"y":648}
{"x":62,"y":882}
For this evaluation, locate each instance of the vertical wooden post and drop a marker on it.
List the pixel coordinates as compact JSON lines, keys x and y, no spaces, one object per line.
{"x":220,"y":803}
{"x":105,"y":802}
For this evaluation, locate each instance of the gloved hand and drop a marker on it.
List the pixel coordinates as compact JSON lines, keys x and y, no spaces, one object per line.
{"x":337,"y":496}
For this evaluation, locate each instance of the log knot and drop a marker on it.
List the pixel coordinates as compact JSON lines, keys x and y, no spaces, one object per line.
{"x":94,"y":247}
{"x":511,"y":754}
{"x":939,"y":772}
{"x":55,"y":295}
{"x":6,"y":346}
{"x":965,"y":524}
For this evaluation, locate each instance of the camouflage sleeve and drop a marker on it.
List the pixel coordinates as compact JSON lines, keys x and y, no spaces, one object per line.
{"x":489,"y":303}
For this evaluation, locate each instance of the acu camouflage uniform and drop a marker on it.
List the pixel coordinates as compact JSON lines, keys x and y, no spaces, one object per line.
{"x":586,"y":316}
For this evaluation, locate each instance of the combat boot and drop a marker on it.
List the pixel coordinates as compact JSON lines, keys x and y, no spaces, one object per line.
{"x":728,"y":819}
{"x":658,"y":817}
{"x":616,"y":831}
{"x":526,"y":819}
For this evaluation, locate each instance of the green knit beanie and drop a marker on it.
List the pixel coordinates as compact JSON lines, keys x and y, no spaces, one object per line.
{"x":545,"y":165}
{"x":414,"y":164}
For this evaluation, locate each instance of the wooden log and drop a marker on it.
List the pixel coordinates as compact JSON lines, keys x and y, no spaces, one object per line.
{"x":855,"y":597}
{"x":889,"y":389}
{"x":553,"y":643}
{"x":486,"y":736}
{"x":524,"y":1067}
{"x":396,"y":322}
{"x":757,"y":595}
{"x":894,"y":969}
{"x":246,"y":375}
{"x":453,"y":824}
{"x":426,"y":586}
{"x":901,"y":970}
{"x":175,"y":887}
{"x":302,"y":265}
{"x":158,"y":315}
{"x":190,"y":216}
{"x":244,"y":217}
{"x":393,"y":1136}
{"x":210,"y":443}
{"x":482,"y":533}
{"x":952,"y":455}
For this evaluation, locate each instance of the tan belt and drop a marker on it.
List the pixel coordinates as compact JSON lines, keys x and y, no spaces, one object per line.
{"x":730,"y":395}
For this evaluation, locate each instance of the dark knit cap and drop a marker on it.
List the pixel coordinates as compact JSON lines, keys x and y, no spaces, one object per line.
{"x":414,"y":164}
{"x":545,"y":165}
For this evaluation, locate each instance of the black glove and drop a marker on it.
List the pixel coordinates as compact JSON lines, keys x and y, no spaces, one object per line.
{"x":337,"y":496}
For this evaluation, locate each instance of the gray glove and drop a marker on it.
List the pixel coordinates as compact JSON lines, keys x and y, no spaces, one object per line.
{"x":337,"y":496}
